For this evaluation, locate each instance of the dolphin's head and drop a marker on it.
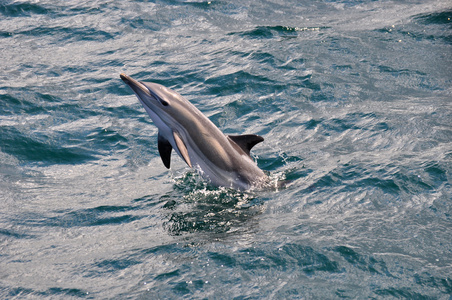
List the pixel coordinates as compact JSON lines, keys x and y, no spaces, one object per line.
{"x":152,"y":94}
{"x":162,"y":104}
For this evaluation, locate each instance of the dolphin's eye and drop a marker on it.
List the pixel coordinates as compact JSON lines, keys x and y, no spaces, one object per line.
{"x":164,"y":103}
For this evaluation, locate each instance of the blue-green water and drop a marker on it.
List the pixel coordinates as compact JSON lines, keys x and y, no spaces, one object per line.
{"x":353,"y":98}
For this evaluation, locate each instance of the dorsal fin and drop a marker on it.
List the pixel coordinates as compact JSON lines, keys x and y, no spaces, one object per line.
{"x":246,"y":141}
{"x":164,"y":150}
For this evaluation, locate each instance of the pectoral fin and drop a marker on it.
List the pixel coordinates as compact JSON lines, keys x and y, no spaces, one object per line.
{"x":246,"y":141}
{"x":182,"y":148}
{"x":164,"y":150}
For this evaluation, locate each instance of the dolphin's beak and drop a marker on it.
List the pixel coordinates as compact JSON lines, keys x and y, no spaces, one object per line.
{"x":124,"y":77}
{"x":136,"y":86}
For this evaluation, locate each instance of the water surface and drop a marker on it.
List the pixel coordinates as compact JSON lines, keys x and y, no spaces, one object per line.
{"x":353,"y":99}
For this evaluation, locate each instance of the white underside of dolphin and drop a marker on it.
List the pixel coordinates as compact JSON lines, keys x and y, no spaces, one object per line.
{"x":224,"y":160}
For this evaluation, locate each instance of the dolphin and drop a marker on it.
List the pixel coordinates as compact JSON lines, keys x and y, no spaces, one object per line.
{"x":223,"y":159}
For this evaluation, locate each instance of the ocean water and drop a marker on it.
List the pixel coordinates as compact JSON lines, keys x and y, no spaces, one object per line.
{"x":353,"y":98}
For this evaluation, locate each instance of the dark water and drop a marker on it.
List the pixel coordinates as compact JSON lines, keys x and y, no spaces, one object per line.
{"x":353,"y":99}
